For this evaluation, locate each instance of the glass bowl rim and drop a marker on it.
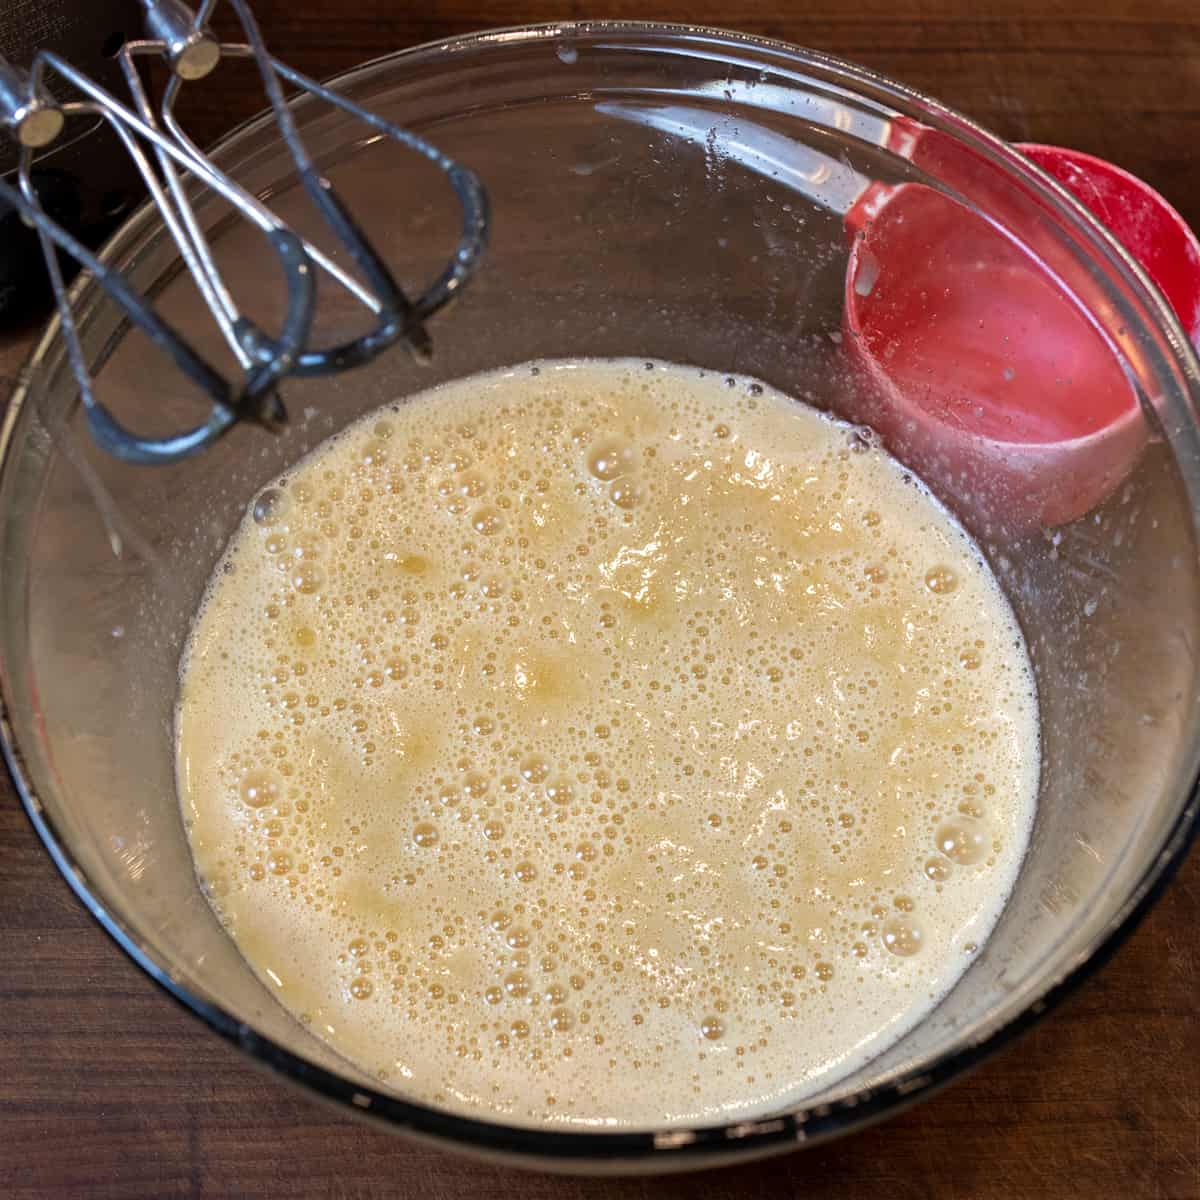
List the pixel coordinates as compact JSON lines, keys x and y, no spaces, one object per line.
{"x":677,"y":1147}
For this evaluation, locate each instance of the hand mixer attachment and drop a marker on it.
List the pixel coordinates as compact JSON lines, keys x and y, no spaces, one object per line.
{"x":165,"y":157}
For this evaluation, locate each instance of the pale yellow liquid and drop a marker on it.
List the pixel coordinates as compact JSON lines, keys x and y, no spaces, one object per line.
{"x":605,"y":743}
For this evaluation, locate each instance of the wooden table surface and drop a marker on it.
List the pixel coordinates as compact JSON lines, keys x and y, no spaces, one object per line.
{"x":108,"y":1089}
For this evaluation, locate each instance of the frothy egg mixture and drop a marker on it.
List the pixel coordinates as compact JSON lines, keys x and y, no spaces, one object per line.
{"x":605,"y":743}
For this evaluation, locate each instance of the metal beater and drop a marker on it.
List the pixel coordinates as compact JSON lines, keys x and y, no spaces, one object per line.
{"x":165,"y":157}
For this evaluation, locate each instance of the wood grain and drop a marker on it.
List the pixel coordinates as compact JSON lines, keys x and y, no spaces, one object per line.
{"x":108,"y":1090}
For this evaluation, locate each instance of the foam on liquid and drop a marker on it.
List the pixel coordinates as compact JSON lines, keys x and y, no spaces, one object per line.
{"x":605,"y":743}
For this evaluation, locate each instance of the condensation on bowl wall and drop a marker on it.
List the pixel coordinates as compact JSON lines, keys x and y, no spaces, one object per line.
{"x":612,"y":237}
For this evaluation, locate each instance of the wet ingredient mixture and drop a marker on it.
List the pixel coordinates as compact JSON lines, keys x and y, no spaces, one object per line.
{"x":605,"y":743}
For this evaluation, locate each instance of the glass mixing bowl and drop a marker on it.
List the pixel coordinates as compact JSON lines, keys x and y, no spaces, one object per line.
{"x":617,"y":231}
